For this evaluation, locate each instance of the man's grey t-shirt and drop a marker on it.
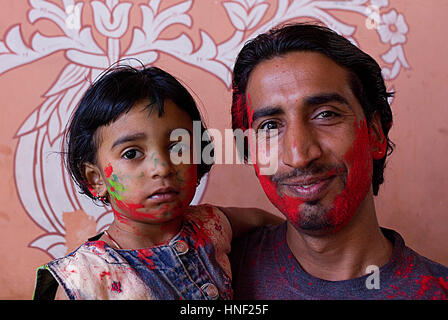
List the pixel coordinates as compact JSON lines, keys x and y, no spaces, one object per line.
{"x":264,"y":267}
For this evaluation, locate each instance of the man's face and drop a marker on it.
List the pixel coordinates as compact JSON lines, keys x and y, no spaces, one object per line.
{"x":324,"y":145}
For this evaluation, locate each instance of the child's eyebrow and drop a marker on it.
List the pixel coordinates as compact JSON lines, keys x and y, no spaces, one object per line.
{"x":127,"y":138}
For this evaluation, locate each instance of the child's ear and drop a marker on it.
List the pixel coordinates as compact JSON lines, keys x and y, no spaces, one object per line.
{"x":378,"y":141}
{"x":97,"y":186}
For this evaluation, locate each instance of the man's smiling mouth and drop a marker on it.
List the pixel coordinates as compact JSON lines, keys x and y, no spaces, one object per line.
{"x":309,"y":189}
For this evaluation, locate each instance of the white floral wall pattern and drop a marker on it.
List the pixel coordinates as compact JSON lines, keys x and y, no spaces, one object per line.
{"x":44,"y":186}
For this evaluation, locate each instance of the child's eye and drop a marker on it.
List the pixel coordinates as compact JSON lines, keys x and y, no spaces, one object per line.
{"x":178,"y":148}
{"x":132,"y":154}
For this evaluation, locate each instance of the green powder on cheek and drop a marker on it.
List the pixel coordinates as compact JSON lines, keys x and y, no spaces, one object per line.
{"x":115,"y":187}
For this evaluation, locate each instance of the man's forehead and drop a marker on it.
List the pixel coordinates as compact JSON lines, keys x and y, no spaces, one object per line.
{"x":298,"y":66}
{"x":298,"y":74}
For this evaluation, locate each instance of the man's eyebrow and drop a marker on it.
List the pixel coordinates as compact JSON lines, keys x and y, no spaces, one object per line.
{"x":266,"y":112}
{"x":127,"y":138}
{"x":323,"y":98}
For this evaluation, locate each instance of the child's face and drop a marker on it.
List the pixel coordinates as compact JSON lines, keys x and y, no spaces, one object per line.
{"x":133,"y":162}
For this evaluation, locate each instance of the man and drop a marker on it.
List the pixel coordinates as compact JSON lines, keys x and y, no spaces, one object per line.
{"x":326,"y":103}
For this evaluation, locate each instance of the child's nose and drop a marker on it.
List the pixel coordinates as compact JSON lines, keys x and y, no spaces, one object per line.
{"x":160,"y":165}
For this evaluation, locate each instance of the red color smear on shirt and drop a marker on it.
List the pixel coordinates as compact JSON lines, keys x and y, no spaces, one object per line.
{"x":116,"y":286}
{"x":428,"y":282}
{"x":108,"y":170}
{"x":406,"y":269}
{"x":103,"y":274}
{"x":144,"y":255}
{"x":200,"y":233}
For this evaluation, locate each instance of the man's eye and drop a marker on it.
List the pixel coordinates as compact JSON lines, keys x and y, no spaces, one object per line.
{"x":326,"y":115}
{"x":269,"y":125}
{"x":132,"y":154}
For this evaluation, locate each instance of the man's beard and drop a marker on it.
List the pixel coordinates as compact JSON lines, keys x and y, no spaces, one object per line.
{"x":313,"y":216}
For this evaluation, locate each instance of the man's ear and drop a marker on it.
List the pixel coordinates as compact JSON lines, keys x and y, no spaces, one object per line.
{"x":378,"y":141}
{"x":96,"y":184}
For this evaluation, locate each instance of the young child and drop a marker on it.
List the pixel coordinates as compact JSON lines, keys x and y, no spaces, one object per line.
{"x":157,"y":247}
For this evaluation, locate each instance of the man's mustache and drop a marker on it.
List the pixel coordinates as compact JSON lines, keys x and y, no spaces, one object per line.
{"x":312,"y":170}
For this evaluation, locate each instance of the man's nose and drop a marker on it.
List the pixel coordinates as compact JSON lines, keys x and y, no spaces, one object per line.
{"x":300,"y":146}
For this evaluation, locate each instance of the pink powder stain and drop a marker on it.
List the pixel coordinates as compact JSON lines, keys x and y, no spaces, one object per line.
{"x":430,"y":282}
{"x":406,"y":269}
{"x":108,"y":170}
{"x":116,"y":287}
{"x":397,"y":293}
{"x":144,"y":255}
{"x":103,"y":274}
{"x":200,"y":233}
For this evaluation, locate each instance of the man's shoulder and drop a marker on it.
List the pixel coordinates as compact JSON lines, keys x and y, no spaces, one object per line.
{"x":262,"y":235}
{"x":426,"y":265}
{"x":414,"y":261}
{"x":414,"y":276}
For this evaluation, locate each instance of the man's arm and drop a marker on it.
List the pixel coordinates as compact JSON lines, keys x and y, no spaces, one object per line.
{"x":243,"y":220}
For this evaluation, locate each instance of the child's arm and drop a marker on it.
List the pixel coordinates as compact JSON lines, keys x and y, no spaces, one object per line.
{"x":243,"y":220}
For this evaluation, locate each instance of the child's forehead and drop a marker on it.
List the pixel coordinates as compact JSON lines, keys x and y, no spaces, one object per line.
{"x":148,"y":118}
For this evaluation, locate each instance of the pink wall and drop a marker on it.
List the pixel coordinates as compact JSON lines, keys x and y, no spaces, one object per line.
{"x":41,"y":216}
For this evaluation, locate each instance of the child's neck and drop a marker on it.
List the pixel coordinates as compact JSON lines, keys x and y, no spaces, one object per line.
{"x":129,"y":234}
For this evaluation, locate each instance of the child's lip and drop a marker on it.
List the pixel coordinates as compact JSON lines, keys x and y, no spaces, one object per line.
{"x":163,"y":194}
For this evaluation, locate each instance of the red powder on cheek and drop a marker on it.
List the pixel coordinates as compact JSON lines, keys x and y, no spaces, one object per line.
{"x":287,"y":205}
{"x":108,"y":170}
{"x":347,"y":202}
{"x":358,"y":181}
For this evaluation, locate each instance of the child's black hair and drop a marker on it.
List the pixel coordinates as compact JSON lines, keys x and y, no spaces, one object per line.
{"x":112,"y":95}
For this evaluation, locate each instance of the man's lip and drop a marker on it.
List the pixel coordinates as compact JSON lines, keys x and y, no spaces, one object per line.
{"x":309,"y":189}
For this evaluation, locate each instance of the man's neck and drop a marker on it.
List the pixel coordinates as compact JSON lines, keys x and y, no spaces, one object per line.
{"x":344,"y":254}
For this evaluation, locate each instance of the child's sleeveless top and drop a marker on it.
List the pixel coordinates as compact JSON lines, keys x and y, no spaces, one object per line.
{"x":193,"y":265}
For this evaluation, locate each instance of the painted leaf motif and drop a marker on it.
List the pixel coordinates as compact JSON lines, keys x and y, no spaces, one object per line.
{"x":69,"y":77}
{"x":237,"y":14}
{"x":111,"y":24}
{"x":256,"y":14}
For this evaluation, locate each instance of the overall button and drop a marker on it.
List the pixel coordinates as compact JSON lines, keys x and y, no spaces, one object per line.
{"x":181,"y":247}
{"x":211,"y":290}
